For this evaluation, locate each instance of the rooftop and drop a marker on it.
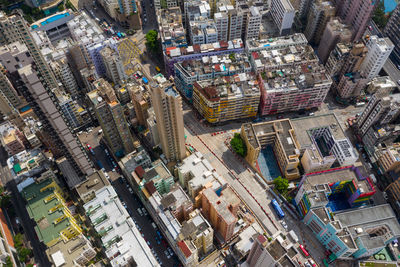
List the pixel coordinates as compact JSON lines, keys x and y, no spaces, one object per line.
{"x":119,"y":235}
{"x":304,"y":124}
{"x":236,"y":86}
{"x":47,"y":207}
{"x":363,"y":222}
{"x":276,"y":43}
{"x":287,"y":55}
{"x":171,"y":28}
{"x":220,"y":205}
{"x":200,"y":172}
{"x":175,"y":198}
{"x":295,"y":77}
{"x":282,"y":129}
{"x":77,"y":250}
{"x":173,"y":52}
{"x":314,"y":180}
{"x":217,"y":65}
{"x":94,"y":182}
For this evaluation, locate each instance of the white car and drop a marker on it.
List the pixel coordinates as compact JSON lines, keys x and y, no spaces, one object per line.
{"x":284,"y":225}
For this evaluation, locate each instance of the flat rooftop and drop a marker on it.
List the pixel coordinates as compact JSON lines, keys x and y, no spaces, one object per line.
{"x":287,"y":55}
{"x":280,"y":128}
{"x":277,"y":42}
{"x":295,"y":77}
{"x":46,"y":209}
{"x":236,"y":86}
{"x":276,"y":250}
{"x":94,"y":182}
{"x":304,"y":124}
{"x":232,"y":63}
{"x":118,"y":232}
{"x":360,"y":221}
{"x":173,"y":52}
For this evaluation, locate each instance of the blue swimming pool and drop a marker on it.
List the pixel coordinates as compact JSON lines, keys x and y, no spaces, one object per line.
{"x":54,"y":18}
{"x":268,"y":164}
{"x":390,"y":5}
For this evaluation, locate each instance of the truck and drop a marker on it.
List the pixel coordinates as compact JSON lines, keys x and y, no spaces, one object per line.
{"x":145,"y":81}
{"x":100,"y":165}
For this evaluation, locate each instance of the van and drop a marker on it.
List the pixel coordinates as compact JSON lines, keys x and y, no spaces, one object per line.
{"x":154,"y":225}
{"x":293,"y":236}
{"x":140,"y":212}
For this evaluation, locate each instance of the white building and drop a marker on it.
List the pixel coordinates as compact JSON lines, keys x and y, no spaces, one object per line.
{"x":121,"y":239}
{"x":323,"y":142}
{"x":203,"y":32}
{"x":195,"y":172}
{"x":253,"y":23}
{"x":228,"y":21}
{"x":64,"y":74}
{"x":283,"y":13}
{"x":113,"y":64}
{"x":379,"y":50}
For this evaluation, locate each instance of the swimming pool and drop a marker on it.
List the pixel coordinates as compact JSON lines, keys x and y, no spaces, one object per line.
{"x":390,"y":5}
{"x":268,"y":164}
{"x":54,"y":18}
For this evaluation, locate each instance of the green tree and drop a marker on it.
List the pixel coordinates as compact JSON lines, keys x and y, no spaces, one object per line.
{"x":281,"y":184}
{"x":24,"y":254}
{"x":9,"y":262}
{"x":60,"y":7}
{"x":238,"y":145}
{"x":379,"y":16}
{"x":152,"y":41}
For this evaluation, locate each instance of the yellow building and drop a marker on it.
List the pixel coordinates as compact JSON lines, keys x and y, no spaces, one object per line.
{"x":280,"y":135}
{"x":227,"y":98}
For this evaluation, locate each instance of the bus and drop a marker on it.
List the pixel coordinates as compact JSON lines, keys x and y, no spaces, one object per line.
{"x":277,"y":208}
{"x":305,"y":252}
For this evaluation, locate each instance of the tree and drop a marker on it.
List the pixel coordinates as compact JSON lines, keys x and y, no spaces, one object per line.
{"x":152,"y":41}
{"x":379,"y":16}
{"x":60,"y":7}
{"x":9,"y":262}
{"x":281,"y":184}
{"x":238,"y":145}
{"x":24,"y":254}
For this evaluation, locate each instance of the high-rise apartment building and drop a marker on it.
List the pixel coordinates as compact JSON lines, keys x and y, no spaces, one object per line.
{"x":167,"y":105}
{"x":109,"y":113}
{"x":58,"y":133}
{"x":344,"y":65}
{"x":283,"y":14}
{"x":171,"y":30}
{"x":392,"y":30}
{"x":114,"y":67}
{"x":356,"y":13}
{"x":63,"y":73}
{"x":381,"y":109}
{"x":334,"y":33}
{"x":220,"y":212}
{"x":127,"y":7}
{"x":8,"y":91}
{"x":14,"y":28}
{"x":228,"y":20}
{"x":253,"y":23}
{"x":319,"y":15}
{"x":379,"y":50}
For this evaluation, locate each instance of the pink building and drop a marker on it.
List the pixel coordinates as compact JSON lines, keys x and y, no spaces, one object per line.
{"x":293,"y":88}
{"x":356,"y":13}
